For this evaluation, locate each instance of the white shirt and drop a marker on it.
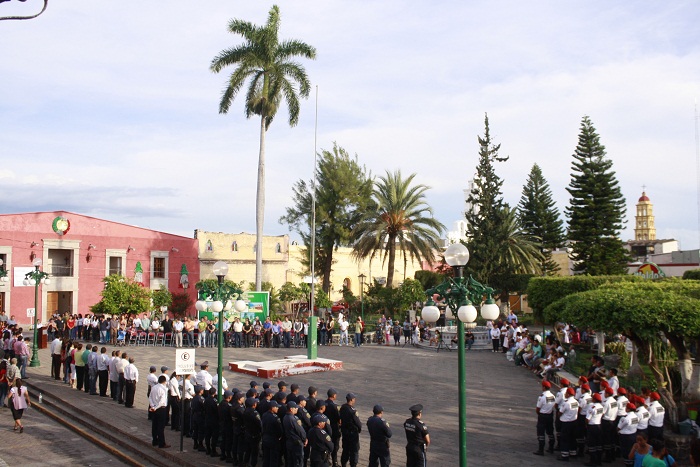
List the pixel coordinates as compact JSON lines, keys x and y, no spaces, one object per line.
{"x":158,"y":397}
{"x":131,"y":373}
{"x":137,"y":323}
{"x":495,"y":333}
{"x":643,"y":416}
{"x":595,"y":413}
{"x":151,"y":379}
{"x":215,"y":382}
{"x":204,"y":379}
{"x":56,"y":346}
{"x":628,"y":424}
{"x":656,"y":413}
{"x":174,"y":387}
{"x":237,"y":326}
{"x":177,"y":326}
{"x":610,"y":409}
{"x":569,"y":410}
{"x":113,"y":373}
{"x":189,"y":389}
{"x":614,"y":384}
{"x":343,"y":326}
{"x":545,"y":402}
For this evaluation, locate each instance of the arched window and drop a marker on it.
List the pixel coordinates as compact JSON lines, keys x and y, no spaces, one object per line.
{"x":278,"y":248}
{"x":234,"y":246}
{"x":210,"y":247}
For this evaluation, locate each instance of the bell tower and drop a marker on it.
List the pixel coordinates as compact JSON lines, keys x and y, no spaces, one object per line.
{"x":644,"y":220}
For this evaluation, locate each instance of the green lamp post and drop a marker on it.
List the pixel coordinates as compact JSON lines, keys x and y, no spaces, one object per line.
{"x":459,"y":292}
{"x":35,"y":278}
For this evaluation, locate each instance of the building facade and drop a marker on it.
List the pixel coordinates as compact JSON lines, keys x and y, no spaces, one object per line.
{"x":78,"y":252}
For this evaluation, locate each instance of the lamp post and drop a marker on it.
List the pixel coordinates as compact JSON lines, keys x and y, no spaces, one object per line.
{"x":222,"y":294}
{"x":362,"y":278}
{"x":35,"y":278}
{"x":459,"y":292}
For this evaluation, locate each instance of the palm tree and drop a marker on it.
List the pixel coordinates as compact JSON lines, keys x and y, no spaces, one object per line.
{"x":521,"y":252}
{"x":403,"y":219}
{"x":274,"y":75}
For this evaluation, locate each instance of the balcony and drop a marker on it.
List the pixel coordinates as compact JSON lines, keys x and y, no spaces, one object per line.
{"x":61,"y":271}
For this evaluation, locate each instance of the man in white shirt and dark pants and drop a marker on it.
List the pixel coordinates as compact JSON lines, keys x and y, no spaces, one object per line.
{"x":158,"y":405}
{"x":131,"y":375}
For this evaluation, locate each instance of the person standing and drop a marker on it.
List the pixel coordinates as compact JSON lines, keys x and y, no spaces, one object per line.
{"x":19,"y":400}
{"x":203,"y":377}
{"x":211,"y":423}
{"x":174,"y":402}
{"x":627,"y":432}
{"x":226,"y":426}
{"x":103,"y":371}
{"x":188,"y":394}
{"x":295,"y":437}
{"x":158,"y":405}
{"x":238,"y":445}
{"x":252,"y":432}
{"x":343,"y":325}
{"x":656,"y":417}
{"x":120,"y":366}
{"x":350,"y":428}
{"x":608,"y":424}
{"x":113,"y":373}
{"x":92,"y":370}
{"x":197,"y":419}
{"x":594,"y":431}
{"x":417,"y":438}
{"x":320,"y":442}
{"x":545,"y":419}
{"x":286,"y":332}
{"x":496,"y":338}
{"x":569,"y":413}
{"x":151,"y":381}
{"x":379,"y":434}
{"x":271,"y":436}
{"x":178,"y":326}
{"x":334,"y":422}
{"x":131,"y":377}
{"x":56,"y":357}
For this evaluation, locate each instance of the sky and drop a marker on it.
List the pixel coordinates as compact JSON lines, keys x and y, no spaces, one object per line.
{"x":109,"y":109}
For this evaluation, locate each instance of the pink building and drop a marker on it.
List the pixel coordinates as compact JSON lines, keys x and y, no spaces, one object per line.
{"x":78,"y":252}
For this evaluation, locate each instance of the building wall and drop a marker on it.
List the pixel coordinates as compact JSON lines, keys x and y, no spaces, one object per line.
{"x":78,"y":260}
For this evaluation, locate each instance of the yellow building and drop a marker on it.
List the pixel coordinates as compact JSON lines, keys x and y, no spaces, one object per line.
{"x":282,"y":262}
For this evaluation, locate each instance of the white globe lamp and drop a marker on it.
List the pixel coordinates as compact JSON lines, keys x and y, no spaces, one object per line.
{"x":467,"y":313}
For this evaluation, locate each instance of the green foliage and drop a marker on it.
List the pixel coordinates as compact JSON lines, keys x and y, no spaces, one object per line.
{"x":428,"y":279}
{"x":693,"y":274}
{"x":596,"y":210}
{"x":321,"y":299}
{"x":122,"y":295}
{"x":290,"y":293}
{"x":181,"y":304}
{"x":343,"y":198}
{"x":543,"y":291}
{"x":619,"y":348}
{"x":402,"y":220}
{"x":540,"y":218}
{"x":161,"y":297}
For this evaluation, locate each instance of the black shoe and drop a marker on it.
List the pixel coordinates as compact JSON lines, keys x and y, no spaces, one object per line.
{"x":539,"y":453}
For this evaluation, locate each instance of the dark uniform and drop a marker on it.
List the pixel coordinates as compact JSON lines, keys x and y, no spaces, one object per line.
{"x":271,"y":437}
{"x":197,"y":419}
{"x":379,"y":434}
{"x":295,"y":438}
{"x":226,"y":426}
{"x":211,"y":423}
{"x":238,"y":444}
{"x":416,"y":432}
{"x":333,"y":419}
{"x":350,"y":428}
{"x":253,"y":432}
{"x":321,"y":444}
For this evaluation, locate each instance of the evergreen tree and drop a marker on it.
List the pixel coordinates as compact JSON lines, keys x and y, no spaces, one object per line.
{"x":343,"y":199}
{"x":596,"y":210}
{"x":539,"y":218}
{"x":487,"y":213}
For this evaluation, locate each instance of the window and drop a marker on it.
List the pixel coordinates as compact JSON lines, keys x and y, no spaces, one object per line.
{"x":159,"y":268}
{"x":234,"y":246}
{"x":115,"y":265}
{"x":60,"y":263}
{"x":210,"y":247}
{"x":278,"y":248}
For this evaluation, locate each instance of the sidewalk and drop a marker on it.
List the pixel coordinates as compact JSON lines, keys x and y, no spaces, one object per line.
{"x":500,"y":399}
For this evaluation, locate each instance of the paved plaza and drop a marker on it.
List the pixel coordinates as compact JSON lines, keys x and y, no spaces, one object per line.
{"x":500,"y":401}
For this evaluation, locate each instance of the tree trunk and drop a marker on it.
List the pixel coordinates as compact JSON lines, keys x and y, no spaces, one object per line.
{"x":690,"y":374}
{"x":260,"y":209}
{"x":392,"y":260}
{"x":327,"y":269}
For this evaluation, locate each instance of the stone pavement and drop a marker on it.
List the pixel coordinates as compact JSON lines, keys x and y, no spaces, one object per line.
{"x":500,"y":399}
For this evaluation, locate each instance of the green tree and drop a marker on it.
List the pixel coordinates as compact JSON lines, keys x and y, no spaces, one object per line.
{"x":486,"y":217}
{"x":429,"y":279}
{"x":596,"y":210}
{"x":274,"y":75}
{"x":182,"y":303}
{"x":122,"y":295}
{"x":289,"y":293}
{"x":161,"y":297}
{"x":402,"y":219}
{"x":343,"y":198}
{"x":540,"y":218}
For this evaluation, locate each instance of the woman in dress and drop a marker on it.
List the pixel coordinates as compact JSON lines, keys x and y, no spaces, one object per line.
{"x":4,"y":388}
{"x":19,"y":400}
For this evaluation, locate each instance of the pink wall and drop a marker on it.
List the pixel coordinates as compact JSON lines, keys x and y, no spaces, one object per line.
{"x":19,"y":231}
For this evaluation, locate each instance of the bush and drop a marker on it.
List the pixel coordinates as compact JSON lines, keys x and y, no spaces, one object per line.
{"x":693,"y":274}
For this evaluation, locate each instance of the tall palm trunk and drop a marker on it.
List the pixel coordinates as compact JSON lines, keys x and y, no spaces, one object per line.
{"x":392,"y":260}
{"x":260,"y":208}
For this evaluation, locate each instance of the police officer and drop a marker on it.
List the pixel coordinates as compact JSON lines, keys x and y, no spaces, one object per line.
{"x":608,"y":424}
{"x":252,"y":431}
{"x":295,"y":436}
{"x":211,"y":423}
{"x":627,"y":430}
{"x":350,"y":428}
{"x":558,"y":399}
{"x":334,"y":423}
{"x":656,"y":417}
{"x":271,"y":436}
{"x":238,"y":445}
{"x":417,"y":438}
{"x":545,"y":418}
{"x":594,"y":431}
{"x":226,"y":426}
{"x":320,"y":442}
{"x":379,"y":434}
{"x":197,"y":418}
{"x":584,"y":400}
{"x":568,"y":411}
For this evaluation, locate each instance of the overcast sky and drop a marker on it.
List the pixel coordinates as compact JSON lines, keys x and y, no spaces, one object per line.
{"x":109,"y":108}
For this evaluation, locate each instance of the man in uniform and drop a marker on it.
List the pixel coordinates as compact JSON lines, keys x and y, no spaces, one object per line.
{"x":311,"y":400}
{"x":197,"y":418}
{"x":131,"y":376}
{"x":627,"y":430}
{"x":295,"y":437}
{"x":238,"y":445}
{"x":350,"y":428}
{"x":151,"y":381}
{"x":252,"y":431}
{"x":417,"y":438}
{"x":271,"y":436}
{"x":568,"y":410}
{"x":211,"y":422}
{"x":656,"y":417}
{"x":593,"y":430}
{"x":558,"y":399}
{"x":320,"y":442}
{"x":608,"y":424}
{"x":203,"y":377}
{"x":379,"y":434}
{"x":334,"y":423}
{"x":158,"y":405}
{"x":545,"y":418}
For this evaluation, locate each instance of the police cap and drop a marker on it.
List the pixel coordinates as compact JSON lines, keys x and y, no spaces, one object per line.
{"x":418,"y":408}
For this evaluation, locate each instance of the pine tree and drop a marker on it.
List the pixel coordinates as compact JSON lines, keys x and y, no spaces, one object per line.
{"x":596,"y":211}
{"x":540,"y":218}
{"x":487,"y":213}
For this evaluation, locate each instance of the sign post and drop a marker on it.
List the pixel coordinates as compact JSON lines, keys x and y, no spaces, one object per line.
{"x":184,"y":365}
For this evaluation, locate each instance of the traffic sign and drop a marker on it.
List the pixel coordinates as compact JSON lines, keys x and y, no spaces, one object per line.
{"x":184,"y":361}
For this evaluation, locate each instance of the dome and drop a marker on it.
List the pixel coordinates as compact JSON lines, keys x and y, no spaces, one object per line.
{"x":644,"y":197}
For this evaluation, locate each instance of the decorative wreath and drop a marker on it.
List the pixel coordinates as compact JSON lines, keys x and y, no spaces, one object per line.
{"x":61,"y":225}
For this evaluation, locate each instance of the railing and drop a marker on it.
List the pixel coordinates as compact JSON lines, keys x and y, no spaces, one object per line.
{"x":61,"y":271}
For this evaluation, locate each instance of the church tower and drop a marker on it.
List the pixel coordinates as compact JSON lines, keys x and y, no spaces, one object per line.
{"x":644,"y":220}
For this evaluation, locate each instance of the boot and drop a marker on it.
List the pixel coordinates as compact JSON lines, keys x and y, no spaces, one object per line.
{"x":539,"y":453}
{"x":551,"y":446}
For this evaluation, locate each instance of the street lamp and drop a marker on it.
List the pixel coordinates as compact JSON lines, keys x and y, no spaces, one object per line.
{"x":459,"y":292}
{"x":362,"y":278}
{"x":223,"y":294}
{"x":35,"y":278}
